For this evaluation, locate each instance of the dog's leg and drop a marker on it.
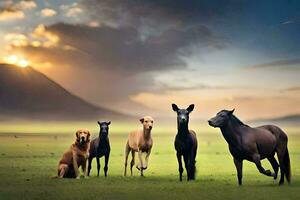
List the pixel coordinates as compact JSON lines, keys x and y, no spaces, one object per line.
{"x":132,"y":161}
{"x":84,"y":169}
{"x":106,"y":164}
{"x":127,"y":150}
{"x":140,"y":167}
{"x":146,"y":159}
{"x":62,"y":170}
{"x":75,"y":165}
{"x":98,"y":165}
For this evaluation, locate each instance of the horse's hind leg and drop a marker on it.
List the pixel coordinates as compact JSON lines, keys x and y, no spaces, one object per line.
{"x":280,"y":155}
{"x":274,"y":164}
{"x":256,"y":160}
{"x":132,"y":161}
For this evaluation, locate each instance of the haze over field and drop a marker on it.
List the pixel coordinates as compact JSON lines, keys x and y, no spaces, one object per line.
{"x":138,"y":57}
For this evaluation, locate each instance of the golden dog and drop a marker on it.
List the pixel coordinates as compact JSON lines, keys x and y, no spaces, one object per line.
{"x":75,"y":157}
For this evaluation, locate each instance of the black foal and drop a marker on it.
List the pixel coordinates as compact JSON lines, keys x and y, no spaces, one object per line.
{"x":185,"y":142}
{"x":100,"y":147}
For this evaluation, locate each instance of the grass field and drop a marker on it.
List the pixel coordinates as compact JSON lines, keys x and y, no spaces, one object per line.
{"x":29,"y":158}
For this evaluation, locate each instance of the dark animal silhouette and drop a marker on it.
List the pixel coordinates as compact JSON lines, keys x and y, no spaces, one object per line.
{"x":254,"y":144}
{"x":100,"y":147}
{"x":185,"y":142}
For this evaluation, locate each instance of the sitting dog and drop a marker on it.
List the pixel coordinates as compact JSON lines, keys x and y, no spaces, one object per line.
{"x":75,"y":157}
{"x":139,"y":141}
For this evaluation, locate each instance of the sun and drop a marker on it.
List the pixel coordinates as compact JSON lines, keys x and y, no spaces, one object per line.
{"x":16,"y":60}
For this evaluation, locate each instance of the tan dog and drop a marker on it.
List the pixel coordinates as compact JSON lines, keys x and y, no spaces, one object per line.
{"x":139,"y":141}
{"x":75,"y":157}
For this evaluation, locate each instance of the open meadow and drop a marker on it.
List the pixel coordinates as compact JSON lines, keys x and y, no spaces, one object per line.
{"x":29,"y":155}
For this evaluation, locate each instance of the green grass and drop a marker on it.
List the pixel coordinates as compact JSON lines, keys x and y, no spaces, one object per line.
{"x":28,"y":159}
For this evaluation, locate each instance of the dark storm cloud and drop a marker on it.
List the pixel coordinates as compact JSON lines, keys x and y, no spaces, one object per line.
{"x":180,"y":12}
{"x":121,"y":48}
{"x":134,"y":40}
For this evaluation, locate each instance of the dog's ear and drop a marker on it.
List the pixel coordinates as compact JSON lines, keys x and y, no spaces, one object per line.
{"x":190,"y":108}
{"x":108,"y":123}
{"x":77,"y":135}
{"x":175,"y":107}
{"x":88,"y":135}
{"x":98,"y":122}
{"x":142,"y":120}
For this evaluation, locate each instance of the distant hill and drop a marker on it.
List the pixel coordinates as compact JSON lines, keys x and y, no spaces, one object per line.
{"x":27,"y":93}
{"x":287,"y":120}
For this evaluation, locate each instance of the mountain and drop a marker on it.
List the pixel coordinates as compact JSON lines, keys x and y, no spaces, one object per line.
{"x":27,"y":93}
{"x":285,"y":120}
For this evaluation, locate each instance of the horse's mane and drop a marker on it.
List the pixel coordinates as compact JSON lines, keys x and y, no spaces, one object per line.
{"x":238,"y":121}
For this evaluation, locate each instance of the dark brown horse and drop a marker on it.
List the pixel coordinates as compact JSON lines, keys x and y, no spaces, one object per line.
{"x":185,"y":142}
{"x":254,"y":144}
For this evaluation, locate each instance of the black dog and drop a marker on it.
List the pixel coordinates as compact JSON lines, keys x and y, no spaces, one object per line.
{"x":100,"y":147}
{"x":185,"y":142}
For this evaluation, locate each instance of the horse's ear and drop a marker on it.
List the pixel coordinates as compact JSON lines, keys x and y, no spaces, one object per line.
{"x":175,"y":107}
{"x":108,"y":123}
{"x":231,"y":112}
{"x":190,"y":108}
{"x":142,"y":120}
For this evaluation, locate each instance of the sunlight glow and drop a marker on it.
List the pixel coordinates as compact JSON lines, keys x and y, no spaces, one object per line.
{"x":16,"y":60}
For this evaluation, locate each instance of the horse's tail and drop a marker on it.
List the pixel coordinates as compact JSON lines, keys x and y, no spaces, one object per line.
{"x":287,"y":165}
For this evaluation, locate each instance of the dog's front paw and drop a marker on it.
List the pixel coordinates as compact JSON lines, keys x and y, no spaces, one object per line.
{"x":77,"y":177}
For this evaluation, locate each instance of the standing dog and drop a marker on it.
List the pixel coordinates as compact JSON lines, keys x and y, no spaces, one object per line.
{"x":139,"y":141}
{"x":75,"y":157}
{"x":100,"y":147}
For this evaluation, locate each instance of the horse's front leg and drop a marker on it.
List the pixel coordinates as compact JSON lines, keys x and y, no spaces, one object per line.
{"x":89,"y":165}
{"x":140,"y":165}
{"x":180,"y":169}
{"x":239,"y":169}
{"x":98,"y":165}
{"x":256,"y":160}
{"x":106,"y":164}
{"x":187,"y":165}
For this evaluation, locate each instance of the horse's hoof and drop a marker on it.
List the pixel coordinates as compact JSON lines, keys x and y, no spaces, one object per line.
{"x":281,"y":183}
{"x":144,"y":168}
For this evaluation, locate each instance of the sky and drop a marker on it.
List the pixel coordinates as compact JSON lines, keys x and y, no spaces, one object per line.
{"x":139,"y":56}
